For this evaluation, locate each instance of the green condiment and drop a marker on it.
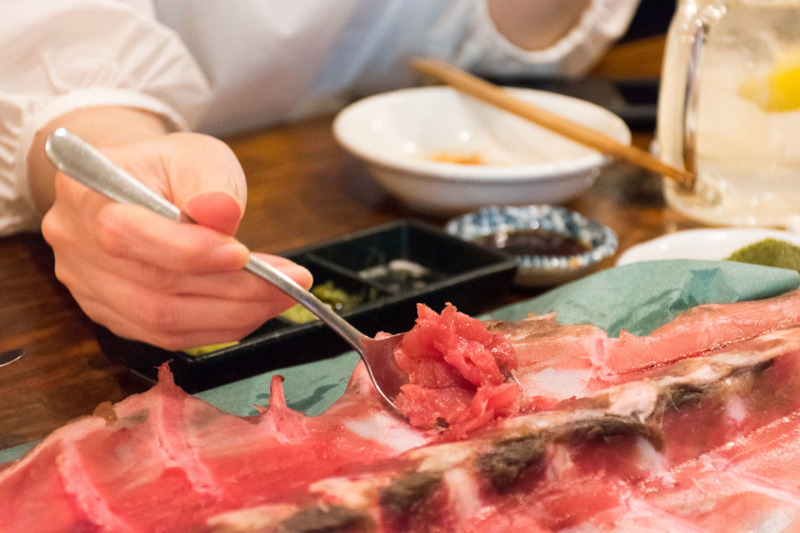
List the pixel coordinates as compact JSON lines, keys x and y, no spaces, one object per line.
{"x":202,"y":350}
{"x":769,"y":252}
{"x":339,"y":300}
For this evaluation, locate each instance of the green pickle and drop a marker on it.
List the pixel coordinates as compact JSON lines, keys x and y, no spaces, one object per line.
{"x":338,"y":299}
{"x":769,"y":252}
{"x":202,"y":350}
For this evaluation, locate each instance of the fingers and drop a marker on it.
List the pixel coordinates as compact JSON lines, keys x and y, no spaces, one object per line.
{"x":177,"y":311}
{"x":210,"y":186}
{"x":217,"y":210}
{"x":176,"y":323}
{"x":135,"y":234}
{"x":148,"y":278}
{"x":180,"y":166}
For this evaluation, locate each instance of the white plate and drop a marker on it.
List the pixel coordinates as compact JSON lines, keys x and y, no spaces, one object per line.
{"x":702,"y":244}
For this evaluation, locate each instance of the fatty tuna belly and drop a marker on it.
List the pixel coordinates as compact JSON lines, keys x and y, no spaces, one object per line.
{"x":699,"y":330}
{"x":561,"y":362}
{"x":697,"y":417}
{"x":115,"y":470}
{"x":109,"y":473}
{"x":164,"y":460}
{"x":34,"y":496}
{"x":751,"y":484}
{"x":270,"y":457}
{"x":556,"y":362}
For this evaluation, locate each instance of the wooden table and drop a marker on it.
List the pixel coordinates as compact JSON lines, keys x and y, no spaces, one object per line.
{"x":303,"y":188}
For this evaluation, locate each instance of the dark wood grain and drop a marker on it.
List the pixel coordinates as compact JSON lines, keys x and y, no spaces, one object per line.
{"x":303,"y":188}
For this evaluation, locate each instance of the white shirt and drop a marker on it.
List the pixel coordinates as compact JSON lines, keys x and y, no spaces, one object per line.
{"x":229,"y":66}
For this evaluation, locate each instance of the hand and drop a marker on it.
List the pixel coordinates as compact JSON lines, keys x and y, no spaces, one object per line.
{"x":148,"y":278}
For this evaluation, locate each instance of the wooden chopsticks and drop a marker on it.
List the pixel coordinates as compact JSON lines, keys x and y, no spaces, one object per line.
{"x":495,"y":95}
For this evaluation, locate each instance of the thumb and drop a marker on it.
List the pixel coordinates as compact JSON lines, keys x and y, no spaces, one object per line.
{"x":206,"y":180}
{"x":197,"y":172}
{"x":217,"y":210}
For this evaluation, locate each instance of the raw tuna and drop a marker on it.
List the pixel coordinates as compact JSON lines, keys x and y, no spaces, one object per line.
{"x":456,"y":371}
{"x":659,"y":433}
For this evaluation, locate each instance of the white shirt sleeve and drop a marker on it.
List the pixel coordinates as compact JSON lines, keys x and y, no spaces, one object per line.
{"x":484,"y":50}
{"x":59,"y":56}
{"x":266,"y":61}
{"x":272,"y":61}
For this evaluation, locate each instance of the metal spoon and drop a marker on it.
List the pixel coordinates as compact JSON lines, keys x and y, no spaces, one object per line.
{"x":81,"y":161}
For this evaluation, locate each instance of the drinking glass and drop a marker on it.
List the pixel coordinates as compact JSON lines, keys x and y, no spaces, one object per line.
{"x":729,"y":110}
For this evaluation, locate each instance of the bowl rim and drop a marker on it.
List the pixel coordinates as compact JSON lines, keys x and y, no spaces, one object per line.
{"x":423,"y":168}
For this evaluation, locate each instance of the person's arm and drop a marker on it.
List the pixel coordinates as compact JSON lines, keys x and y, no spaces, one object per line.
{"x":541,"y":38}
{"x":125,"y":84}
{"x":536,"y":24}
{"x":76,"y":55}
{"x":100,"y":126}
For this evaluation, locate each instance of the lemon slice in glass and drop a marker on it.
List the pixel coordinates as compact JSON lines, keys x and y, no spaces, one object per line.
{"x":780,"y":89}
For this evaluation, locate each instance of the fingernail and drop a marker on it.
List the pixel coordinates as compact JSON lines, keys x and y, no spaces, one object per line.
{"x":232,"y":253}
{"x":300,"y":274}
{"x":215,"y":209}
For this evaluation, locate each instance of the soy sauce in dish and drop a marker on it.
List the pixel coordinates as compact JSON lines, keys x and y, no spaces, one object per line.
{"x":534,"y":242}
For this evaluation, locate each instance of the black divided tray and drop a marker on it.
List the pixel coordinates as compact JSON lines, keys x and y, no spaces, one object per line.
{"x":467,"y":275}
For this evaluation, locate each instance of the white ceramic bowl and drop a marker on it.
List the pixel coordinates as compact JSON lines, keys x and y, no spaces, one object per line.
{"x":400,"y":134}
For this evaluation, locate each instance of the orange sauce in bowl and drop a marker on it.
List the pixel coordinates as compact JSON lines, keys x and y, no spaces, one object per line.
{"x":448,"y":156}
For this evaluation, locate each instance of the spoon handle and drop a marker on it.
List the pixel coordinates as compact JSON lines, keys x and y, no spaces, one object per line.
{"x":307,"y":299}
{"x":84,"y":163}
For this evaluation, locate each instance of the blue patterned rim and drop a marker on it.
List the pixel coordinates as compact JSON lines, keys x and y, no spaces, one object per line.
{"x":491,"y":219}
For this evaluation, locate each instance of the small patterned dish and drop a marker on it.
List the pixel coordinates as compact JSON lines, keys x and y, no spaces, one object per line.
{"x":550,"y":244}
